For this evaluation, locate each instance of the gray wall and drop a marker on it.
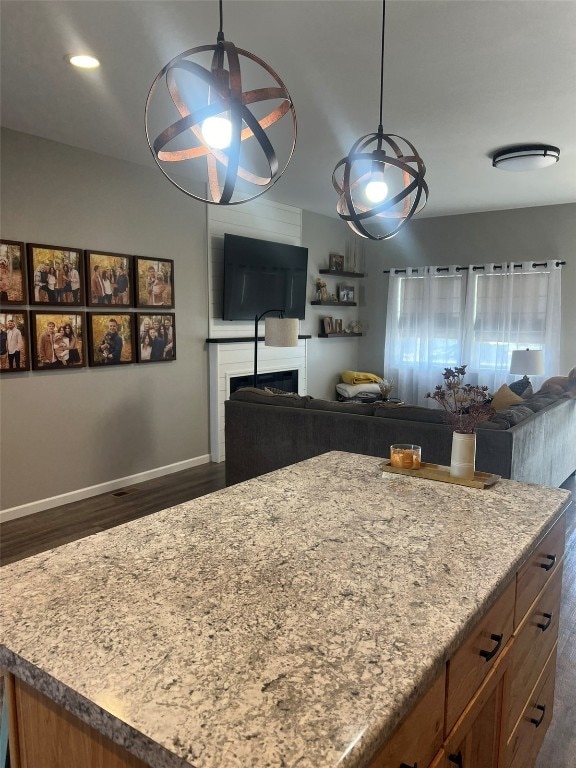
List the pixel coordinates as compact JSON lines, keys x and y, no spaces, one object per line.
{"x":523,"y":234}
{"x":62,"y":430}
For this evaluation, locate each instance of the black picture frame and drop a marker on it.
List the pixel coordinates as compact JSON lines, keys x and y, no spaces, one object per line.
{"x":107,"y":352}
{"x":160,"y":347}
{"x":18,"y":360}
{"x":120,"y":270}
{"x":13,"y":273}
{"x":51,"y":281}
{"x":58,"y":340}
{"x":154,"y":283}
{"x":336,"y":262}
{"x":345,"y":293}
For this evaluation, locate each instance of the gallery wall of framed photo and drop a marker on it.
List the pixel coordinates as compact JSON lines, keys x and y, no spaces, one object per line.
{"x":83,"y":308}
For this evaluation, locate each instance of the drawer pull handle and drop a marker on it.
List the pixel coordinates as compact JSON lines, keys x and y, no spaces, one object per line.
{"x":490,"y":654}
{"x":538,"y":721}
{"x":548,"y":566}
{"x":545,"y":626}
{"x":456,"y":759}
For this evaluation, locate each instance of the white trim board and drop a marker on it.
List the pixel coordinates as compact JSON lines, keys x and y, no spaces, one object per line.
{"x":94,"y":490}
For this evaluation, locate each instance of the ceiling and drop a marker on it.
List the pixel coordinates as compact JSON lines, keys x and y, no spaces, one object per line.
{"x":462,"y":78}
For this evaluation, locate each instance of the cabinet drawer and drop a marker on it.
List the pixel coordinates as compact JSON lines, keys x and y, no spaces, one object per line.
{"x":527,"y":738}
{"x":532,"y":646}
{"x":419,"y":737}
{"x":538,"y":570}
{"x":476,"y":656}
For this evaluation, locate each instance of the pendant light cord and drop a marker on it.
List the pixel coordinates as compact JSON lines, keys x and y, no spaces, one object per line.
{"x":220,"y":31}
{"x":380,"y":127}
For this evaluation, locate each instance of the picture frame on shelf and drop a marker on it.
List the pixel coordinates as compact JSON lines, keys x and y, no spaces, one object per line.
{"x":12,"y":273}
{"x":56,"y":275}
{"x":58,"y":340}
{"x":109,"y":279}
{"x":336,"y":262}
{"x":346,"y":293}
{"x":154,"y":282}
{"x":327,"y":324}
{"x":14,"y":341}
{"x":110,"y":338}
{"x":337,"y":326}
{"x":156,"y":337}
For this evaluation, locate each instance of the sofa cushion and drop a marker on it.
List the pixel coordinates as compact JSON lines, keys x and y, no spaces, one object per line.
{"x":540,"y":400}
{"x":504,"y":398}
{"x":410,"y":413}
{"x":520,"y":386}
{"x":512,"y":416}
{"x":255,"y":395}
{"x":360,"y":409}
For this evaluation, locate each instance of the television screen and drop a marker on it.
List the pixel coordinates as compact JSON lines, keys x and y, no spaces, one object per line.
{"x":260,"y":275}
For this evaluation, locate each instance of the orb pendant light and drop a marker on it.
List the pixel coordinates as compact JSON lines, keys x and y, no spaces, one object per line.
{"x":201,"y":123}
{"x":380,"y":184}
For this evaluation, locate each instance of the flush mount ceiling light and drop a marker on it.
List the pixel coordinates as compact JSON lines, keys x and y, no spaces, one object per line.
{"x":382,"y":184}
{"x":204,"y":121}
{"x":525,"y":157}
{"x":83,"y":61}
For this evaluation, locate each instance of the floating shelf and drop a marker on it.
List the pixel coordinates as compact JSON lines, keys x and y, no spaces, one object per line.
{"x":334,"y":303}
{"x":340,"y":274}
{"x":335,"y":335}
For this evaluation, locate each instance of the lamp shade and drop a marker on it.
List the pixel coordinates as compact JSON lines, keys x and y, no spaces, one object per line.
{"x":281,"y":332}
{"x":527,"y":361}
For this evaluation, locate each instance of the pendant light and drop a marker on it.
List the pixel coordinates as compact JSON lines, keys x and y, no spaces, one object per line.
{"x":200,"y":119}
{"x":381,"y":182}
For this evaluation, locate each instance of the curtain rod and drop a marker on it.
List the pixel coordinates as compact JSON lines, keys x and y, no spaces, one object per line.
{"x":476,"y":268}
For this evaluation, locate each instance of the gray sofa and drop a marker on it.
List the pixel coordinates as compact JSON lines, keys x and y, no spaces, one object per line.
{"x":534,"y":441}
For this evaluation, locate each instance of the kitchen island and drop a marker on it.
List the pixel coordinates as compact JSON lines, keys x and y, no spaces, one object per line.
{"x":290,"y":621}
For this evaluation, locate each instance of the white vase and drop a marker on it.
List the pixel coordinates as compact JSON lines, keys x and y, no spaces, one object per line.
{"x":463,"y":456}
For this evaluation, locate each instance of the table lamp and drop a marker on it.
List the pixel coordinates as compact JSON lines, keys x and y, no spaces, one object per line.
{"x":527,"y":361}
{"x":278,"y":332}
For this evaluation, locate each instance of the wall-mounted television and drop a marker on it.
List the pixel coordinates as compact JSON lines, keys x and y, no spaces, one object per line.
{"x":261,"y":275}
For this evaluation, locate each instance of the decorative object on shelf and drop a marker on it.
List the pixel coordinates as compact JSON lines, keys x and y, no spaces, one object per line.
{"x":12,"y":272}
{"x":321,"y":290}
{"x":278,"y":332}
{"x":385,"y":386}
{"x":14,"y":336}
{"x":354,"y":254}
{"x":428,"y":471}
{"x":354,"y":326}
{"x":382,"y":181}
{"x":525,"y":157}
{"x":154,"y":281}
{"x":338,"y":326}
{"x":525,"y":361}
{"x":58,"y":340}
{"x":346,"y":293}
{"x":327,"y":325}
{"x":213,"y":117}
{"x":405,"y":455}
{"x":466,"y":406}
{"x":56,"y":275}
{"x":336,"y":262}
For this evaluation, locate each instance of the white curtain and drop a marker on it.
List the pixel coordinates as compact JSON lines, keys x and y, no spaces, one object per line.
{"x":439,"y":317}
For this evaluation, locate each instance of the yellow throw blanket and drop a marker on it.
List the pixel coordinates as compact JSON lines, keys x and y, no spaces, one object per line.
{"x":358,"y":377}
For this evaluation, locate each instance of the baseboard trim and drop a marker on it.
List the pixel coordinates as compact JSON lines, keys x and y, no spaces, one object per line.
{"x":94,"y":490}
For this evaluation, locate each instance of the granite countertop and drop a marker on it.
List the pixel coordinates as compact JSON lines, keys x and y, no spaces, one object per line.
{"x":287,"y":622}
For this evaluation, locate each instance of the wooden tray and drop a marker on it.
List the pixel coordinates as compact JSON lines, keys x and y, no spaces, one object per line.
{"x":442,"y":474}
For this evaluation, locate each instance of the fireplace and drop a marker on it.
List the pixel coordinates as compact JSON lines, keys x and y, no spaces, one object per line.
{"x":287,"y":381}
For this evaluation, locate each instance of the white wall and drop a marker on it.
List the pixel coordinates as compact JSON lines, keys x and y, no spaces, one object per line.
{"x":522,"y":234}
{"x":68,"y":430}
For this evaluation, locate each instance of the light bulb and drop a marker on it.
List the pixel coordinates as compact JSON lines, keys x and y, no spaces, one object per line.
{"x":376,"y":190}
{"x":84,"y":62}
{"x":217,"y":132}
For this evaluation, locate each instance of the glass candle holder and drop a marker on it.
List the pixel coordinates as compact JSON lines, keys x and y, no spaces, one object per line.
{"x":405,"y":456}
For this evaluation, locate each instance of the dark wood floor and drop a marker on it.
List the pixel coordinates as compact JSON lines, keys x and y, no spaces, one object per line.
{"x":36,"y":533}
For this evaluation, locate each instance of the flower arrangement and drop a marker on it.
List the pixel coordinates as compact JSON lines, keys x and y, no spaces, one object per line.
{"x":466,"y":405}
{"x":385,"y":388}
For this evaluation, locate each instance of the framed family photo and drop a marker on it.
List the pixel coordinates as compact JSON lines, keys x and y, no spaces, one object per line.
{"x":57,"y":340}
{"x":56,"y":275}
{"x":12,"y":273}
{"x":336,"y":262}
{"x":108,"y":279}
{"x":154,"y":280}
{"x":14,"y":337}
{"x":156,"y":337}
{"x":345,"y":293}
{"x":110,"y":338}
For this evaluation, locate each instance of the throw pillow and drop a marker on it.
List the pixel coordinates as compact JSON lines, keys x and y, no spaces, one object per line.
{"x":520,"y":386}
{"x":504,"y":398}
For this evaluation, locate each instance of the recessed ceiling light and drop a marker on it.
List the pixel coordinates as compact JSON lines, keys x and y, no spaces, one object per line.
{"x":525,"y":157}
{"x":83,"y":61}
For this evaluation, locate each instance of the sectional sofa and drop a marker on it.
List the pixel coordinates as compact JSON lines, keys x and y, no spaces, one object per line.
{"x":533,"y":441}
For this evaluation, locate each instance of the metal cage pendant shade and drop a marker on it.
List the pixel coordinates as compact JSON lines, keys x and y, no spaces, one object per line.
{"x":393,"y":168}
{"x":239,"y":161}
